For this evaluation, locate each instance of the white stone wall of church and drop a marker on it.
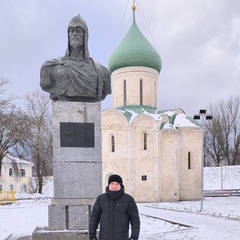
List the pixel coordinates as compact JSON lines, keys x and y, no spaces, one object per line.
{"x":190,"y":179}
{"x":144,"y":161}
{"x":163,"y":163}
{"x":168,"y":165}
{"x":132,"y":75}
{"x":114,"y":124}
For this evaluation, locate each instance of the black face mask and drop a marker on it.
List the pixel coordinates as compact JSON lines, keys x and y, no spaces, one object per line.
{"x":114,"y":195}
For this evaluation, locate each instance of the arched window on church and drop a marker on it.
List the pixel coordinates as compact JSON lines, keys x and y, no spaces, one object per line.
{"x":189,"y":160}
{"x":155,"y":95}
{"x":141,"y":92}
{"x":112,"y":143}
{"x":124,"y":93}
{"x":145,"y":141}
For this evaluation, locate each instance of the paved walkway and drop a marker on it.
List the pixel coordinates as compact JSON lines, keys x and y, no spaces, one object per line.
{"x":198,"y":226}
{"x":203,"y":227}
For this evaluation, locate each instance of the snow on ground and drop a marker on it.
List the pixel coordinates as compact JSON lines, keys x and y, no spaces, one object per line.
{"x":219,"y":219}
{"x":228,"y":175}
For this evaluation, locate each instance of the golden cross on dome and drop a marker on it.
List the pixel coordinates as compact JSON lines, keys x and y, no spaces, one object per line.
{"x":134,"y":5}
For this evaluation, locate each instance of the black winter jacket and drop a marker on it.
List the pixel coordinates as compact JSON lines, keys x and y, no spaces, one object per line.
{"x":114,"y":211}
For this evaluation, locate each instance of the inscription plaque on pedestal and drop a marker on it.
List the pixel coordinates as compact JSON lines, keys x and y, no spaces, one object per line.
{"x":77,"y":135}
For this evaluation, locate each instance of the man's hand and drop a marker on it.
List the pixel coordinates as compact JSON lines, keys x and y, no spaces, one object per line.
{"x":92,"y":236}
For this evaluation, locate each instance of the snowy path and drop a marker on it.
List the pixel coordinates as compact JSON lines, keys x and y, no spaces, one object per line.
{"x":203,"y":226}
{"x":21,"y":218}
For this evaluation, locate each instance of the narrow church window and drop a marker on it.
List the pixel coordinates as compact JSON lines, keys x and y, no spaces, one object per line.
{"x":144,"y":178}
{"x":141,"y":92}
{"x":112,"y":144}
{"x":124,"y":93}
{"x":155,"y":96}
{"x":189,"y":160}
{"x":145,"y":141}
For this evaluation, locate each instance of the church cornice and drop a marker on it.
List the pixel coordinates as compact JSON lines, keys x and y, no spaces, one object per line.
{"x":168,"y":119}
{"x":136,"y":73}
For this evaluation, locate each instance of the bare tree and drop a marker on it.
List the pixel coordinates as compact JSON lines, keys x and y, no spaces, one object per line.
{"x":13,"y":122}
{"x":223,"y":132}
{"x":40,"y":142}
{"x":5,"y":101}
{"x":27,"y":134}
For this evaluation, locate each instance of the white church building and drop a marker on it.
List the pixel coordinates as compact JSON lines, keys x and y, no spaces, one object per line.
{"x":156,"y":151}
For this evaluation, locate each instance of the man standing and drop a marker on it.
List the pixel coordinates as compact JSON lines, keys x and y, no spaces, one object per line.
{"x":114,"y":210}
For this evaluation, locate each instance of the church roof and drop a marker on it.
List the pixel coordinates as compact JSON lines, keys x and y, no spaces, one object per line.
{"x":170,"y":118}
{"x":134,"y":50}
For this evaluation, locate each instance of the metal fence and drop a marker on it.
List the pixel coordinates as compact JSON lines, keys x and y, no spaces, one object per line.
{"x":8,"y":196}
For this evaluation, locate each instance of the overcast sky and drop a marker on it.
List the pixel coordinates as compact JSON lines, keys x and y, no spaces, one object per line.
{"x":198,"y":41}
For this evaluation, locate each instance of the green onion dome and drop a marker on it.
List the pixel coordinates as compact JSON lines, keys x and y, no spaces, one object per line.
{"x":134,"y":50}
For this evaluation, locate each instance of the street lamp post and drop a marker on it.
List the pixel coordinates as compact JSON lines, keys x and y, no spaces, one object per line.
{"x":203,"y":116}
{"x":221,"y":173}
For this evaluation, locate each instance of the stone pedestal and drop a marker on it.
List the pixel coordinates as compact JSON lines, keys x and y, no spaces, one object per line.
{"x":77,"y":169}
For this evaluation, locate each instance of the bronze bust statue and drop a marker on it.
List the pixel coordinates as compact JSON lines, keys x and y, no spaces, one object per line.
{"x":76,"y":77}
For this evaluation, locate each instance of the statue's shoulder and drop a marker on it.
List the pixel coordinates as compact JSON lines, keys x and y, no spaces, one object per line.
{"x":100,"y":68}
{"x":54,"y":61}
{"x":48,"y":67}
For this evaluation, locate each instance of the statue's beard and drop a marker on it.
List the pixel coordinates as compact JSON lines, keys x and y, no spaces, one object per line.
{"x":76,"y":43}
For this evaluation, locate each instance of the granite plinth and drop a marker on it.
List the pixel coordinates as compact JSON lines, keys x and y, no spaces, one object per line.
{"x":72,"y":181}
{"x":71,"y":112}
{"x":77,"y":170}
{"x":71,"y":217}
{"x":46,"y":234}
